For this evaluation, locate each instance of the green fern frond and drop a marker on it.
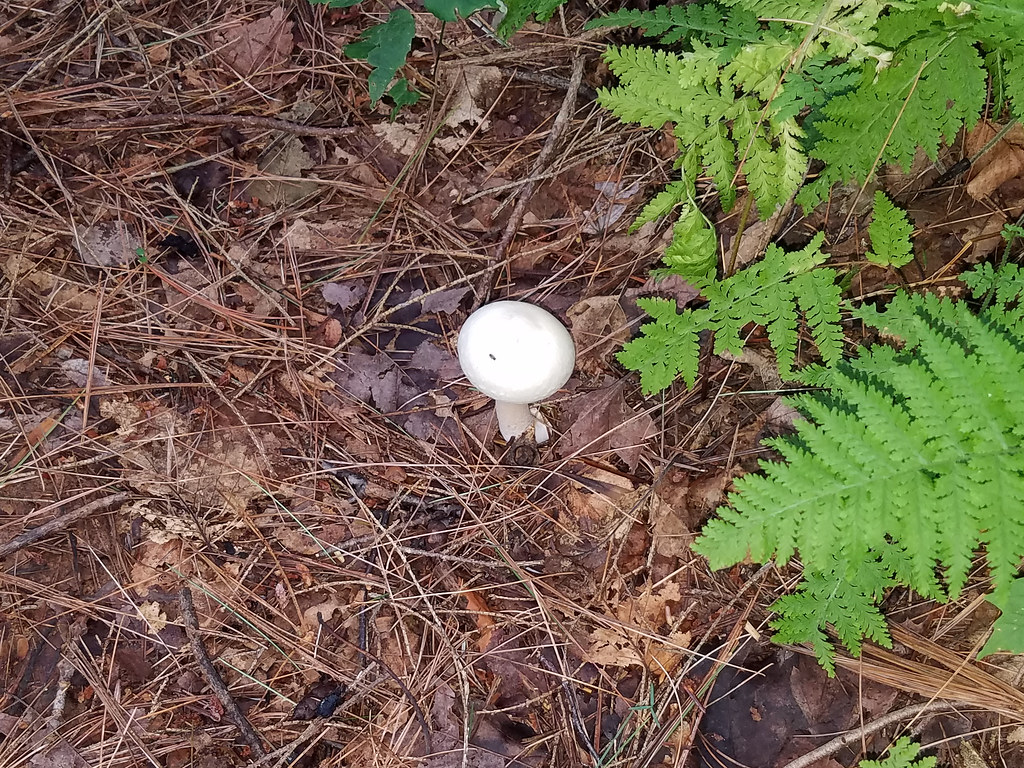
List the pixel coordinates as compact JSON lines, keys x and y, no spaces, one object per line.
{"x":890,"y":232}
{"x":1013,"y":70}
{"x":934,"y":86}
{"x":757,"y":68}
{"x":518,"y":12}
{"x":1007,"y":284}
{"x":765,"y":293}
{"x":719,"y":155}
{"x":710,"y":24}
{"x":818,"y":295}
{"x":693,"y":252}
{"x":697,"y":94}
{"x":912,"y":460}
{"x":847,"y":26}
{"x":902,"y":754}
{"x":669,"y":347}
{"x":846,"y":601}
{"x":810,"y":87}
{"x":661,"y":204}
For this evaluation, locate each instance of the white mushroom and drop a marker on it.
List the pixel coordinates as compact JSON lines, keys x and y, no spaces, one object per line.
{"x":518,"y":354}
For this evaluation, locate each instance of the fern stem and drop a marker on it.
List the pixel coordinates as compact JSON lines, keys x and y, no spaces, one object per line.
{"x":739,"y":234}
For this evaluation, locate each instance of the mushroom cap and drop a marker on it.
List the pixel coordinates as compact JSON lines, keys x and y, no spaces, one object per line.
{"x":516,"y":352}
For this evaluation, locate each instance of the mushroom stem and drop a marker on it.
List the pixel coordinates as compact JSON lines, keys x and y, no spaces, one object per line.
{"x":514,"y":419}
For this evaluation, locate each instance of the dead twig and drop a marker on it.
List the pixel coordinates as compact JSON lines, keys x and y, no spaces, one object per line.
{"x":212,"y":676}
{"x":59,"y":524}
{"x":558,"y":127}
{"x":912,"y":712}
{"x":253,"y":122}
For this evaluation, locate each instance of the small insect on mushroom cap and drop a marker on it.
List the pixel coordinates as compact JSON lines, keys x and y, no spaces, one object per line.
{"x":516,"y":352}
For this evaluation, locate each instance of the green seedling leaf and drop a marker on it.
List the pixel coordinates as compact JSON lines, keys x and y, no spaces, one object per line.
{"x":1008,"y":631}
{"x":453,"y":10}
{"x":385,"y":47}
{"x":401,"y":95}
{"x":1012,"y":231}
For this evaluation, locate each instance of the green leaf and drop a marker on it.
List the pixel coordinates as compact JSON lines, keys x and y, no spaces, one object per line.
{"x":890,"y":232}
{"x":693,"y":253}
{"x":453,"y":10}
{"x":1008,"y":631}
{"x":401,"y":95}
{"x":385,"y":46}
{"x":902,"y":754}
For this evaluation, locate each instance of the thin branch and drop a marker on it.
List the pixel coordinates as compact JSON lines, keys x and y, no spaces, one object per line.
{"x":58,"y":524}
{"x":234,"y":121}
{"x":907,"y":713}
{"x":212,"y":676}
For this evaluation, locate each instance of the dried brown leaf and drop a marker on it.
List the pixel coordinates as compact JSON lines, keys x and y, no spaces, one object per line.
{"x":606,"y":422}
{"x":78,"y":372}
{"x":477,"y":605}
{"x":447,"y":736}
{"x":430,"y":357}
{"x":599,"y":328}
{"x":263,"y":45}
{"x":343,"y":295}
{"x":445,"y":301}
{"x":1006,"y":163}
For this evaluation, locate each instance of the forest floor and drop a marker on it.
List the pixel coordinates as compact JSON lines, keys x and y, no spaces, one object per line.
{"x":227,"y":369}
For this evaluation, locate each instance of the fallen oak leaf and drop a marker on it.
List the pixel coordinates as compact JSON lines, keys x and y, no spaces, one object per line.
{"x":446,"y":301}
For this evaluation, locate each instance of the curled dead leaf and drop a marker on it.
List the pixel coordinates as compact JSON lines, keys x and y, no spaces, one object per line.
{"x":1003,"y":162}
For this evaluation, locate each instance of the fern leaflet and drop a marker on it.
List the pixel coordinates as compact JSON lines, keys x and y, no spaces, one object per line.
{"x":710,"y":24}
{"x":890,"y":232}
{"x":912,"y":461}
{"x":934,"y":85}
{"x":769,"y":293}
{"x":698,"y":94}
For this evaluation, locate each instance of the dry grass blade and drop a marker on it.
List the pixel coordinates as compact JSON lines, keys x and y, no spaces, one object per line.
{"x":956,"y":678}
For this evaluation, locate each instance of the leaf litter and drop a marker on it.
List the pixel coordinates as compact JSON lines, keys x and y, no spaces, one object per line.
{"x":298,"y":442}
